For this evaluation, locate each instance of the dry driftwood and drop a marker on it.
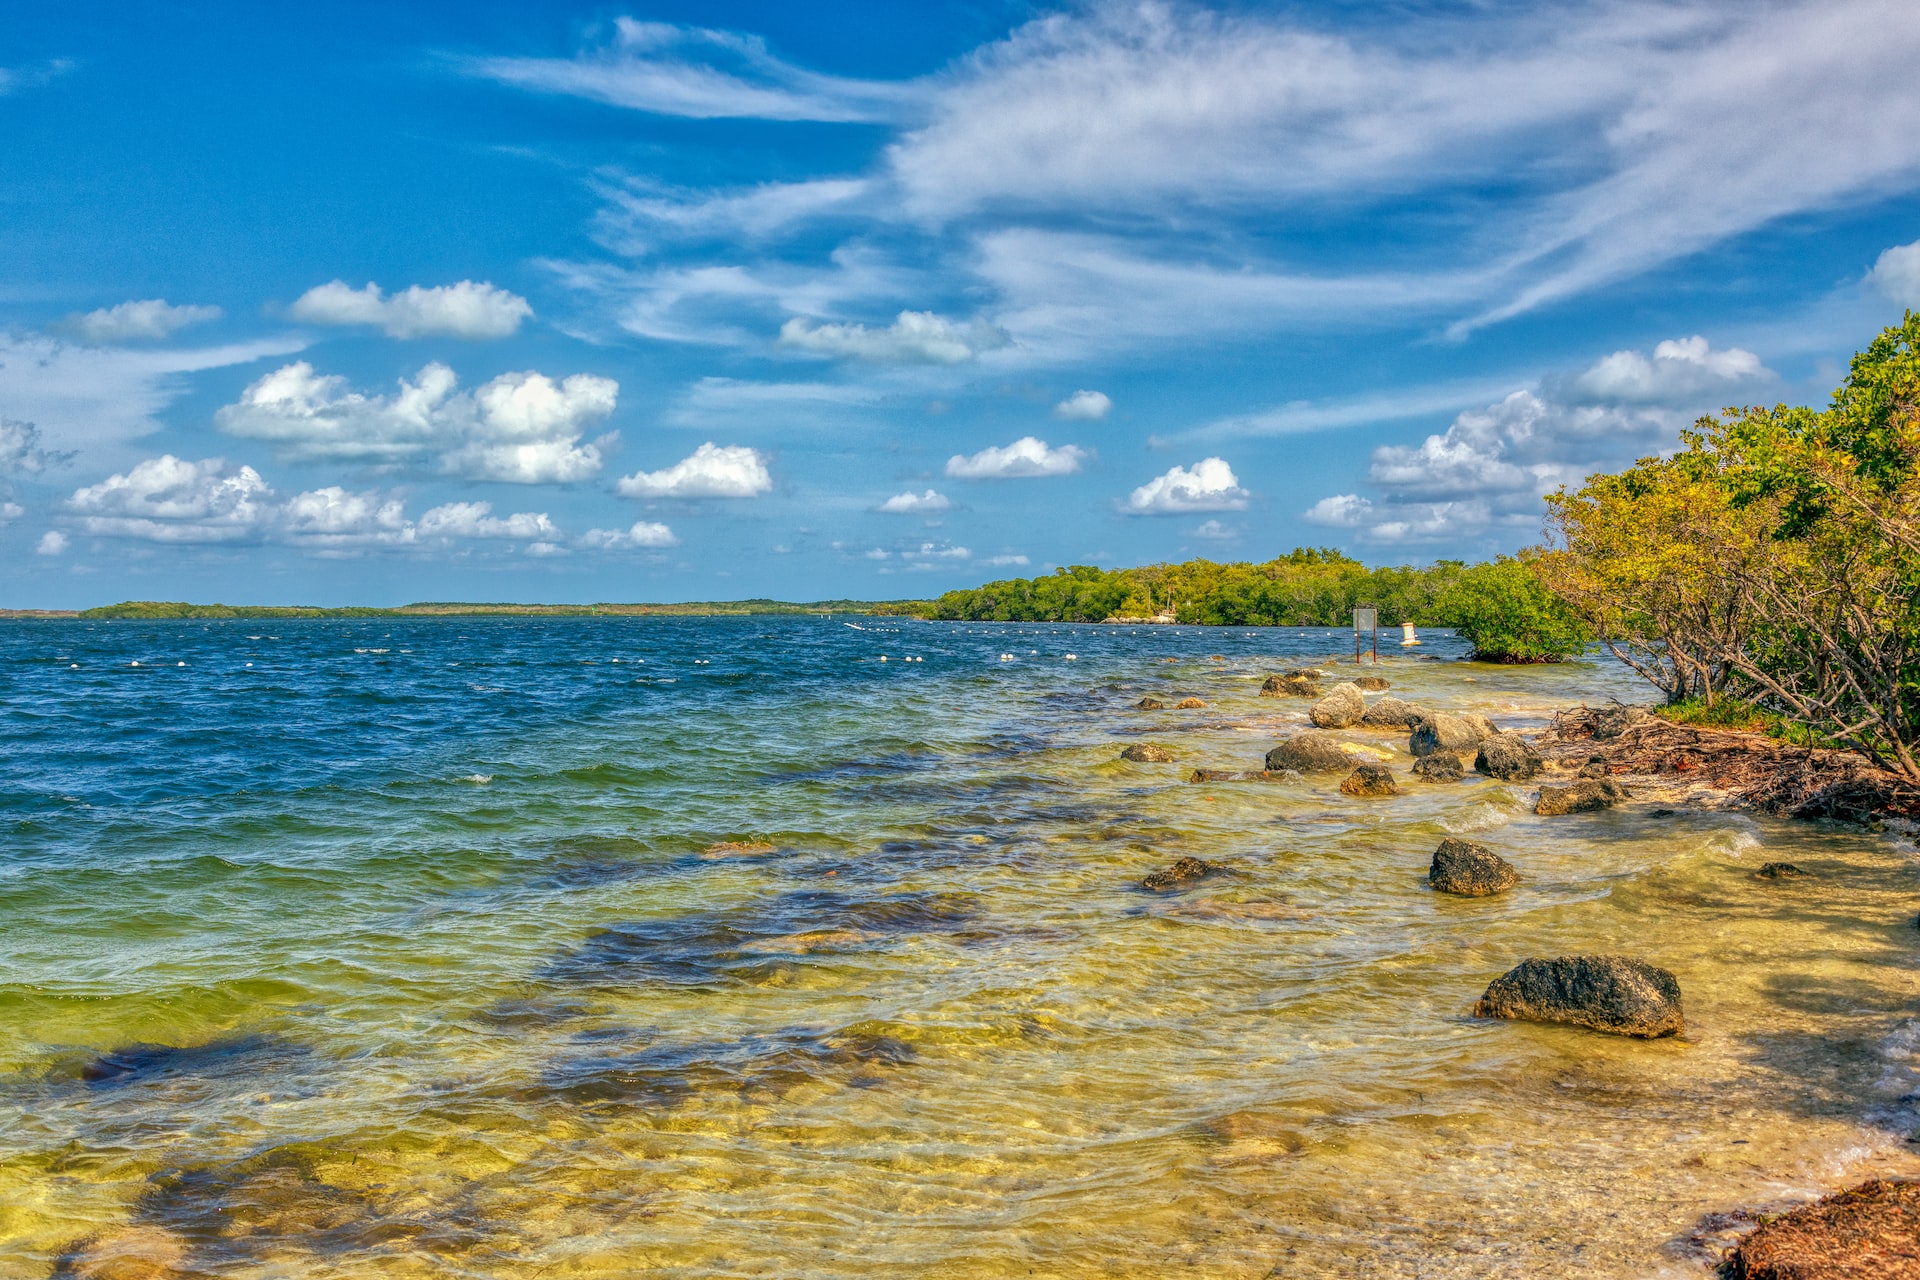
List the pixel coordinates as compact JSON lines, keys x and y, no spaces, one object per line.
{"x":1750,"y":768}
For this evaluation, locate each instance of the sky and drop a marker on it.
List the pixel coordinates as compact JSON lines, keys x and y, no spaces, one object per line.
{"x":378,"y":303}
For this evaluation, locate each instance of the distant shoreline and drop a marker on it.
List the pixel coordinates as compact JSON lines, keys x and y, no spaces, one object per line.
{"x":164,"y":611}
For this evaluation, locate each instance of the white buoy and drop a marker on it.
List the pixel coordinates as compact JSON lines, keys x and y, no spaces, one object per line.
{"x":1406,"y":634}
{"x":1073,"y":657}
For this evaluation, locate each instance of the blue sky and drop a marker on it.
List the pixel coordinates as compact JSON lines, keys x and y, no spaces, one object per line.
{"x":378,"y":303}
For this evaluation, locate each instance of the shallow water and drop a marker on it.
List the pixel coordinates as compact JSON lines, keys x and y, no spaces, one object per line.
{"x":397,"y":949}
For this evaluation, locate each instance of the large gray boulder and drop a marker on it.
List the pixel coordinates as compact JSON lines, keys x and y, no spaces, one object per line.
{"x":1584,"y":796}
{"x":1310,"y":753}
{"x":1373,"y":684}
{"x":1470,"y":870}
{"x":1615,"y":994}
{"x":1391,"y":713}
{"x":1441,"y":766}
{"x":1481,"y":725}
{"x":1289,"y":686}
{"x":1443,"y":733}
{"x":1341,"y":708}
{"x":1508,"y":757}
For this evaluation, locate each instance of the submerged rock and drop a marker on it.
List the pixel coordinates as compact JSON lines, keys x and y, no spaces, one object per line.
{"x":1243,"y":775}
{"x":1872,"y":1230}
{"x":1507,"y":756}
{"x":1373,"y":684}
{"x":1778,"y":871}
{"x":1289,"y":686}
{"x":1443,"y":733}
{"x":138,"y":1252}
{"x":1470,"y":870}
{"x":1615,"y":994}
{"x":1310,"y":753}
{"x":1341,"y":708}
{"x":1583,"y":796}
{"x":737,"y":849}
{"x":1150,"y":704}
{"x":1392,"y":713}
{"x":1369,"y":780}
{"x":1185,"y":871}
{"x":1147,"y":753}
{"x":1441,"y":766}
{"x":1189,"y":704}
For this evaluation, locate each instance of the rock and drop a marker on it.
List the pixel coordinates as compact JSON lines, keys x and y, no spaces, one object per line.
{"x":1373,"y":684}
{"x":1615,"y":994}
{"x":737,"y":849}
{"x":1872,"y":1230}
{"x":1243,"y":775}
{"x":1583,"y":796}
{"x":1189,"y":704}
{"x":1391,"y":713}
{"x":1150,"y":704}
{"x":1481,"y":725}
{"x":1470,"y":870}
{"x":1778,"y":871}
{"x":1443,"y":733}
{"x":1310,"y":753}
{"x":1305,"y":673}
{"x":1596,"y":767}
{"x":130,"y":1253}
{"x":1185,"y":871}
{"x":1441,"y":766}
{"x":1369,"y":780}
{"x":1341,"y":708}
{"x":1147,"y":753}
{"x":1508,"y":757}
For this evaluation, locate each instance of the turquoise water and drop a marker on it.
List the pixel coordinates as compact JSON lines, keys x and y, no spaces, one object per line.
{"x":717,"y":947}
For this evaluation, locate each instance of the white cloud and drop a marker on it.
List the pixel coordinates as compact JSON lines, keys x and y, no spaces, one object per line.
{"x":172,"y":500}
{"x":521,"y":428}
{"x":915,"y":337}
{"x":1213,"y":529}
{"x":11,"y":511}
{"x":168,"y":499}
{"x":1084,"y":406}
{"x":1681,"y":369}
{"x":51,"y":543}
{"x":643,"y":534}
{"x":1488,"y":470}
{"x":21,"y":450}
{"x":103,"y":397}
{"x":1208,"y":486}
{"x":1026,"y":456}
{"x":699,"y":73}
{"x":15,"y":79}
{"x":474,"y":520}
{"x":470,"y":309}
{"x":711,"y":471}
{"x":1896,"y":273}
{"x":998,"y":562}
{"x":1342,"y":511}
{"x":911,"y":503}
{"x":151,"y":318}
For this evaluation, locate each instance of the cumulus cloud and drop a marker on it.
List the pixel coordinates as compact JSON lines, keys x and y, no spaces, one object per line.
{"x":11,"y":511}
{"x":470,"y":309}
{"x":149,"y":319}
{"x":1083,"y":406}
{"x":1896,"y":273}
{"x":1488,"y":470}
{"x":711,"y":471}
{"x":51,"y":543}
{"x":646,"y":534}
{"x":1213,"y":529}
{"x":1209,"y":485}
{"x":999,"y":562}
{"x":1027,"y":456}
{"x":915,"y":337}
{"x":521,"y":428}
{"x":911,"y":503}
{"x":173,"y":500}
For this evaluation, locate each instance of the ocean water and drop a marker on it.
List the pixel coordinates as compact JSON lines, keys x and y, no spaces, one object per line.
{"x":793,"y":948}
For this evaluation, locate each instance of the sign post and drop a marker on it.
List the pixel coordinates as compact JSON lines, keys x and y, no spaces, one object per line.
{"x":1366,"y":632}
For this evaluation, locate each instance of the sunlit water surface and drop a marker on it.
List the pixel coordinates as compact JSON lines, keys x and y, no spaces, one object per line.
{"x":395,"y":949}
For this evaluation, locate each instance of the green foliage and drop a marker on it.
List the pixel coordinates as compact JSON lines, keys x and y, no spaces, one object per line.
{"x":1509,"y":615}
{"x":1309,"y":586}
{"x":1725,"y":713}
